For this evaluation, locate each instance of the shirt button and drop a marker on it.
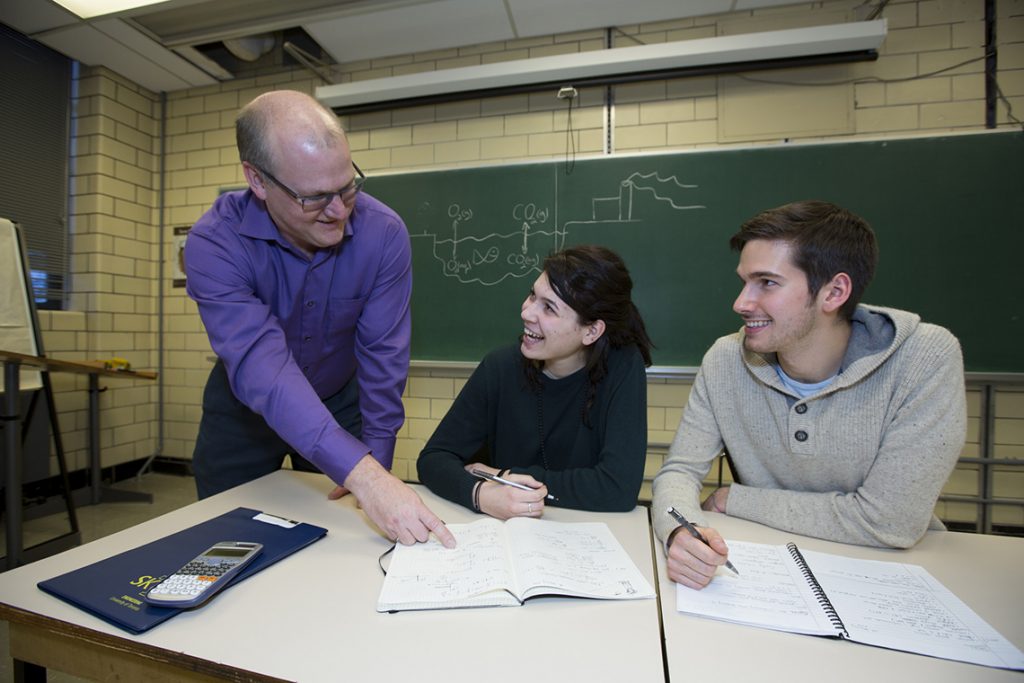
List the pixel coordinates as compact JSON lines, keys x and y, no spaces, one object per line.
{"x":801,"y":435}
{"x":310,"y":304}
{"x":801,"y":409}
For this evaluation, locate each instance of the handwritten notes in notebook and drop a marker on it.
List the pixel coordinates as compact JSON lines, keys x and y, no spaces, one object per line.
{"x":504,"y":563}
{"x":886,"y":604}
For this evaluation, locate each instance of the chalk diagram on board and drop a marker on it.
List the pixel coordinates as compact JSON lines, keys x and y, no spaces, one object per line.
{"x":490,"y":258}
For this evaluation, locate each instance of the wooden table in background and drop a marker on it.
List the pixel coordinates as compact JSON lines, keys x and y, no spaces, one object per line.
{"x":11,"y":415}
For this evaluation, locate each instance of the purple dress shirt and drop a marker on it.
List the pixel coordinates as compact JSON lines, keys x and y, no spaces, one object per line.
{"x":293,"y":330}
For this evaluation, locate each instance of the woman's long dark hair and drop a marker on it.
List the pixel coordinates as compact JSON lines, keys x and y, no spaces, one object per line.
{"x":594,"y":282}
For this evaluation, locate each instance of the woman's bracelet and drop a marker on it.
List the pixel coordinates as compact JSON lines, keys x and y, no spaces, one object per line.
{"x":476,"y":496}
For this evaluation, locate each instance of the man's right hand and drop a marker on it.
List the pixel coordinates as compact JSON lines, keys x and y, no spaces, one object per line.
{"x":691,"y":562}
{"x":393,"y":506}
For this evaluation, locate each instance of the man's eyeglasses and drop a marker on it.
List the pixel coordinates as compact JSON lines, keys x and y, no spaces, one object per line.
{"x":319,"y":202}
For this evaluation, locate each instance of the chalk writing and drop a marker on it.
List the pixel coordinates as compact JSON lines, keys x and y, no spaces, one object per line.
{"x":474,"y":253}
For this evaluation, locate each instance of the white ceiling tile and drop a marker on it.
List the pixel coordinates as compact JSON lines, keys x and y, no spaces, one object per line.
{"x":91,"y":46}
{"x":33,"y":17}
{"x":421,"y":27}
{"x":542,"y":17}
{"x":742,"y":5}
{"x":134,"y":39}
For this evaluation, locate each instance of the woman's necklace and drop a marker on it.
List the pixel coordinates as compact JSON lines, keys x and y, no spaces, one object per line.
{"x":540,"y":425}
{"x":539,"y":394}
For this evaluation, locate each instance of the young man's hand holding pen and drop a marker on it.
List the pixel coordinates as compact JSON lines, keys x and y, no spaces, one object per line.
{"x":695,"y":554}
{"x":508,"y":495}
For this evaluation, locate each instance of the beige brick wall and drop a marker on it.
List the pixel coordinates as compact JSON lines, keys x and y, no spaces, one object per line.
{"x":112,"y":304}
{"x":116,"y":243}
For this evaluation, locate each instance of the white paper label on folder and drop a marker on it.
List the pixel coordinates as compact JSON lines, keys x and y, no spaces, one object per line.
{"x":273,"y":519}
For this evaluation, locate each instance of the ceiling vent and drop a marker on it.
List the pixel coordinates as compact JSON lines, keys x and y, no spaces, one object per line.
{"x":250,"y":48}
{"x":262,"y":53}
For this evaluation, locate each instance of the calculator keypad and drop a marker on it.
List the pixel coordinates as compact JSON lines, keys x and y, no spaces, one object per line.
{"x":192,"y":579}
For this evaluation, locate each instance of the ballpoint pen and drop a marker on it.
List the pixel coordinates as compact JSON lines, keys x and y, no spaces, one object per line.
{"x":696,"y":534}
{"x":514,"y":484}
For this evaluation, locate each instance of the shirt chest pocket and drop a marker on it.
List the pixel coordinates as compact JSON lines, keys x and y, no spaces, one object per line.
{"x":340,"y":321}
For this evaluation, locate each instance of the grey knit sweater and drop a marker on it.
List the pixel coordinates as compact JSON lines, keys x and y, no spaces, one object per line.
{"x":862,"y":461}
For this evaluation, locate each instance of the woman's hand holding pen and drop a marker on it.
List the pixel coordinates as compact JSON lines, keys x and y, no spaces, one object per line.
{"x":504,"y":502}
{"x":693,"y":563}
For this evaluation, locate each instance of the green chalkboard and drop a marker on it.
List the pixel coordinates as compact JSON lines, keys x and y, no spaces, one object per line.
{"x":948,"y":212}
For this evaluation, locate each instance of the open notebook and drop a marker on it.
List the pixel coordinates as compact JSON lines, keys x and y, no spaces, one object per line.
{"x":504,"y":563}
{"x":886,"y":604}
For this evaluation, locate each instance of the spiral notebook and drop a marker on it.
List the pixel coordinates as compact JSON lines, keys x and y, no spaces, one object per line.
{"x":885,"y":604}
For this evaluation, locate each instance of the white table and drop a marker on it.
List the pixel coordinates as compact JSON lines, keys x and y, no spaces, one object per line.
{"x":986,"y":572}
{"x":312,"y":616}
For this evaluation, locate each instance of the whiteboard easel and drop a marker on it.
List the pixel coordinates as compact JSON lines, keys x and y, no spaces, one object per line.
{"x":19,"y":332}
{"x":17,"y":321}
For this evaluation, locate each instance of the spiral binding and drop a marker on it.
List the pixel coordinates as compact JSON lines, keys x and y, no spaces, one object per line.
{"x":819,"y":594}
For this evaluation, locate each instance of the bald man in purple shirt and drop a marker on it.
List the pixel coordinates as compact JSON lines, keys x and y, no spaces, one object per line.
{"x":303,"y":284}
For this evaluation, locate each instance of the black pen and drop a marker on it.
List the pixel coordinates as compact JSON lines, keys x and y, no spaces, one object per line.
{"x":514,"y":484}
{"x":696,"y":534}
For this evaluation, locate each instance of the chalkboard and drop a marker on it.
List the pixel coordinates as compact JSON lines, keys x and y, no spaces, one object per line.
{"x":948,"y":213}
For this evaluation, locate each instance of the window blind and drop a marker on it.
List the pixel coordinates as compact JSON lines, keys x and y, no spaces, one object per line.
{"x":35,"y":83}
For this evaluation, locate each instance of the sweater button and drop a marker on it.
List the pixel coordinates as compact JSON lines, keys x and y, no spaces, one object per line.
{"x":801,"y":436}
{"x":801,"y":409}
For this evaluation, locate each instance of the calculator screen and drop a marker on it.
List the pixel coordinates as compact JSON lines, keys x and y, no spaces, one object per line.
{"x":227,"y":552}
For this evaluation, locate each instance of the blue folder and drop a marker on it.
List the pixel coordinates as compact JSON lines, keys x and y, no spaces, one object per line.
{"x":112,"y":589}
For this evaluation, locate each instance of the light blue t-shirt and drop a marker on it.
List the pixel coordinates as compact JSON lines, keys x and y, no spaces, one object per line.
{"x":802,"y":389}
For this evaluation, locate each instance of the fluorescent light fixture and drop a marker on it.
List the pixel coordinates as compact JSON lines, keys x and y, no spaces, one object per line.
{"x":750,"y":49}
{"x":87,"y":9}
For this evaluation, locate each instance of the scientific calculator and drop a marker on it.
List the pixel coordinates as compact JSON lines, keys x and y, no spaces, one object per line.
{"x":200,"y":579}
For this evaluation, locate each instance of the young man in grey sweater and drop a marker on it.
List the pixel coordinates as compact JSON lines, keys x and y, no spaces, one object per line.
{"x":842,"y":421}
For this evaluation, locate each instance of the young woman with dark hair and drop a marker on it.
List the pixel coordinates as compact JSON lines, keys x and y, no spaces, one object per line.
{"x":564,"y":411}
